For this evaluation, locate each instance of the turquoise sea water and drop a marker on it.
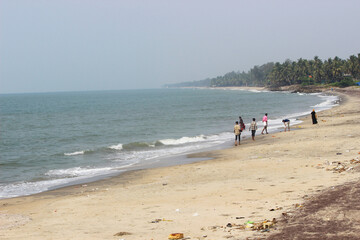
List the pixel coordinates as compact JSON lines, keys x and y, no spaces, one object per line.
{"x":52,"y":139}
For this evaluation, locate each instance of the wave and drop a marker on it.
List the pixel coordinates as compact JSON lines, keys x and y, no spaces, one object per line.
{"x":62,"y":177}
{"x":113,"y":148}
{"x":183,"y":140}
{"x":75,"y":153}
{"x":137,"y":145}
{"x":330,"y":101}
{"x":126,"y":148}
{"x":116,"y":147}
{"x":28,"y":188}
{"x":146,"y":146}
{"x":158,"y":143}
{"x":77,"y":171}
{"x":257,"y":91}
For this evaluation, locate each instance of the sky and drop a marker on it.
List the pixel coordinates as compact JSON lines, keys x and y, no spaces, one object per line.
{"x":85,"y":45}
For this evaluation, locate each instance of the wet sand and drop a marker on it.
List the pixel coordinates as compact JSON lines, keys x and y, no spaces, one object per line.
{"x":272,"y":177}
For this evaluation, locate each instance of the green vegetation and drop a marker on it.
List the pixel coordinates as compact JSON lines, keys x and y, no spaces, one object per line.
{"x":257,"y":76}
{"x":201,"y":83}
{"x":336,"y":72}
{"x":333,"y":72}
{"x":345,"y":82}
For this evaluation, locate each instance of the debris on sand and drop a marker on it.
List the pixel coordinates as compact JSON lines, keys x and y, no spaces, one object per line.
{"x":339,"y":167}
{"x":121,"y":234}
{"x":252,"y":225}
{"x":160,"y":220}
{"x":176,"y":236}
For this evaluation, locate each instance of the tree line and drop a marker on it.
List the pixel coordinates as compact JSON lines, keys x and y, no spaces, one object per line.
{"x":200,"y":83}
{"x":333,"y":71}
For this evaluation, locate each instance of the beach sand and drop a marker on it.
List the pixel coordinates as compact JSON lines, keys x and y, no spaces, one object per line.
{"x":269,"y":178}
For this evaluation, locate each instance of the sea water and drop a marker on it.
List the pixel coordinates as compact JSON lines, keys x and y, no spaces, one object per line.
{"x":48,"y":140}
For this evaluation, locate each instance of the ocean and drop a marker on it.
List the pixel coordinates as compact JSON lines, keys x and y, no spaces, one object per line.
{"x":49,"y":140}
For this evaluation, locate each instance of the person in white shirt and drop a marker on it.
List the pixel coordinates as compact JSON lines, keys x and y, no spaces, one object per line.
{"x":253,"y":128}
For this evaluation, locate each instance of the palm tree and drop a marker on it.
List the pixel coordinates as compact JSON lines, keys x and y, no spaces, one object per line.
{"x":318,"y":70}
{"x":336,"y":68}
{"x":353,"y":66}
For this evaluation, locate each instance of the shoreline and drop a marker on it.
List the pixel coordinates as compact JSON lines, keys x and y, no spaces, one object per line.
{"x":290,"y":88}
{"x":230,"y":88}
{"x":198,"y":198}
{"x":181,"y":158}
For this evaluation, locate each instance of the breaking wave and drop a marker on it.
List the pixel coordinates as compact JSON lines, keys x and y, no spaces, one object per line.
{"x":183,"y":140}
{"x":75,"y":153}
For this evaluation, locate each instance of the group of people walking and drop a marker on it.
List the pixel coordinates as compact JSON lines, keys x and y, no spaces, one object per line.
{"x":240,"y":126}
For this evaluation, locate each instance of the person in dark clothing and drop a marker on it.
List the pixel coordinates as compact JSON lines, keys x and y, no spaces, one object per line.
{"x":242,"y":125}
{"x":286,"y":124}
{"x":314,"y":117}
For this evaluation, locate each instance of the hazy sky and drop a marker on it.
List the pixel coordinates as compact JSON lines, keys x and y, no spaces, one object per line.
{"x":72,"y":45}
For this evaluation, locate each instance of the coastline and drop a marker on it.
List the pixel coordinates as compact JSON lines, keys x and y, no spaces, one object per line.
{"x":238,"y":182}
{"x":174,"y":150}
{"x":244,"y":88}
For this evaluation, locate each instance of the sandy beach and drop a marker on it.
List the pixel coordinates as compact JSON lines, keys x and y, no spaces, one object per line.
{"x":256,"y":181}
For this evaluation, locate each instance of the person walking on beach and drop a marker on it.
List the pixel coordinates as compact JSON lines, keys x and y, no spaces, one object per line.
{"x":314,"y":117}
{"x":237,"y":132}
{"x":242,"y":125}
{"x":253,"y":128}
{"x":286,"y":124}
{"x":265,"y":122}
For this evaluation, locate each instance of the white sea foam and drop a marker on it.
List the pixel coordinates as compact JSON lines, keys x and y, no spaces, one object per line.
{"x":258,"y":91}
{"x":255,"y":91}
{"x":330,"y":101}
{"x":28,"y":188}
{"x":183,"y":140}
{"x":64,"y":177}
{"x":75,"y":153}
{"x":116,"y":147}
{"x":77,"y":171}
{"x":174,"y":147}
